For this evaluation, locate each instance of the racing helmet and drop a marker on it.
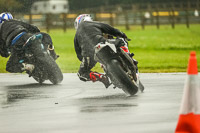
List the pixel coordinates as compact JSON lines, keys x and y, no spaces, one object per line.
{"x":5,"y":16}
{"x":81,"y":18}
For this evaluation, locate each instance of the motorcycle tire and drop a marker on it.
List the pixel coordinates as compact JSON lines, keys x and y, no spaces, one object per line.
{"x":54,"y":73}
{"x":116,"y":73}
{"x":44,"y":60}
{"x":39,"y":80}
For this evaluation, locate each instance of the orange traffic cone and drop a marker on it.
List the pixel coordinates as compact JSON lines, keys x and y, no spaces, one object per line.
{"x":189,"y":119}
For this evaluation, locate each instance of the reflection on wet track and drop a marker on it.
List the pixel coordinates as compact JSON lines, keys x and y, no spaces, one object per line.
{"x":74,"y":106}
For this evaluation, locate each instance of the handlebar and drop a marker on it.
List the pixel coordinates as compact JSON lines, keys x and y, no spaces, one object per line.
{"x":112,"y":37}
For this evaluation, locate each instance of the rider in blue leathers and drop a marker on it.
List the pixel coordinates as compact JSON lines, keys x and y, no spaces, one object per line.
{"x":13,"y":35}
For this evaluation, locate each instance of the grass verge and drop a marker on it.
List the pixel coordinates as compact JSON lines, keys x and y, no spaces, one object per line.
{"x":157,"y":50}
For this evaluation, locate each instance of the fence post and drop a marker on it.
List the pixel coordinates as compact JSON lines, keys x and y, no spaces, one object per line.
{"x":30,"y":18}
{"x":173,"y":19}
{"x":157,"y":19}
{"x":187,"y":15}
{"x":95,"y":16}
{"x":142,"y":20}
{"x":64,"y":22}
{"x":150,"y":12}
{"x":111,"y":19}
{"x":172,"y":16}
{"x":48,"y":22}
{"x":126,"y":20}
{"x":198,"y":7}
{"x":187,"y":19}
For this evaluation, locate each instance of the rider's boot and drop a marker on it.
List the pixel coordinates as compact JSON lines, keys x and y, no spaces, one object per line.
{"x":94,"y":76}
{"x":28,"y":67}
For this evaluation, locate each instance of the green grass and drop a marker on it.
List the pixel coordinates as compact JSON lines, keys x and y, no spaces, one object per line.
{"x":157,"y":50}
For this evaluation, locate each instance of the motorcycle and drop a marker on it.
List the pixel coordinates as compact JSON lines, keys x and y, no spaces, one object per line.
{"x":119,"y":66}
{"x":39,"y":55}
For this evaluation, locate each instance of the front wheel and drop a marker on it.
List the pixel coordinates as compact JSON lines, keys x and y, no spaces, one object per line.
{"x":45,"y":61}
{"x":54,"y":73}
{"x":39,"y":80}
{"x":120,"y":79}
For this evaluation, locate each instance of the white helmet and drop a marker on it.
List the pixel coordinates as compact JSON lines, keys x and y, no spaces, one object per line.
{"x":5,"y":16}
{"x":81,"y":18}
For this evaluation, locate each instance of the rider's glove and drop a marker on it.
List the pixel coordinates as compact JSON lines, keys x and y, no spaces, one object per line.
{"x":27,"y":67}
{"x":124,"y":35}
{"x":119,"y":42}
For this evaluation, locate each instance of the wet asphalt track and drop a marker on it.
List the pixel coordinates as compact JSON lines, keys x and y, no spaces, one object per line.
{"x":79,"y":107}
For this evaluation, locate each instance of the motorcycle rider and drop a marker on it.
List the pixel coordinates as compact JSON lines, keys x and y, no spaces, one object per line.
{"x":88,"y":34}
{"x":13,"y":35}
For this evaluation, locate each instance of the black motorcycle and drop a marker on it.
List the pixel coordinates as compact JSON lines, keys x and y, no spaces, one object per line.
{"x":38,"y":54}
{"x":119,"y":66}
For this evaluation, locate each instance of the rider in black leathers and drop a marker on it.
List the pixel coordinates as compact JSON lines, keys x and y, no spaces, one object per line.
{"x":89,"y":33}
{"x":13,"y":35}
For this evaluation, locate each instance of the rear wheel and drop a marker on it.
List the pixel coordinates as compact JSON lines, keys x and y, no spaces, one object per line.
{"x":120,"y":78}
